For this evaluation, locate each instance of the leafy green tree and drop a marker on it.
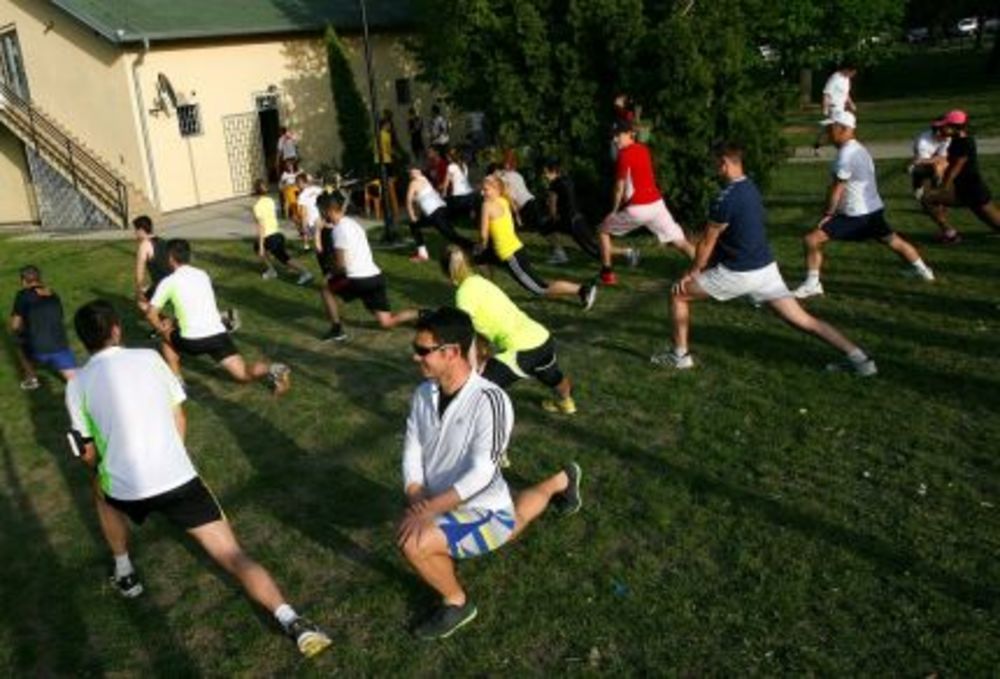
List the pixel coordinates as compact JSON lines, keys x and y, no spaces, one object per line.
{"x":353,"y":120}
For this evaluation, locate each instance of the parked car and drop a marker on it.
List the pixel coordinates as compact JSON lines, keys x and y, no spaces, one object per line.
{"x":918,"y":34}
{"x":967,"y":26}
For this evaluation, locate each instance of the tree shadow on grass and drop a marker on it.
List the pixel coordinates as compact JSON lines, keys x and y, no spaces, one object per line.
{"x":49,"y":418}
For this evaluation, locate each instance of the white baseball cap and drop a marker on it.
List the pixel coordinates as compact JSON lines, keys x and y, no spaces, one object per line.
{"x":844,"y":118}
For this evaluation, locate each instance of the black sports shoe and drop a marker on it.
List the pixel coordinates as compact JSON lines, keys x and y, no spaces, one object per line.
{"x":127,"y":585}
{"x":334,"y":334}
{"x":445,"y":620}
{"x":308,"y":636}
{"x":588,"y":294}
{"x":572,"y":499}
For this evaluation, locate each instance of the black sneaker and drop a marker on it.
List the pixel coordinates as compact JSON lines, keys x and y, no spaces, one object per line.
{"x":231,"y":321}
{"x":127,"y":585}
{"x":572,"y":499}
{"x":308,"y":636}
{"x":588,"y":295}
{"x":336,"y":334}
{"x":445,"y":621}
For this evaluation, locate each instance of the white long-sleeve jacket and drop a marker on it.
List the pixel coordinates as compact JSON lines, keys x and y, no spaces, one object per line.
{"x":462,"y":450}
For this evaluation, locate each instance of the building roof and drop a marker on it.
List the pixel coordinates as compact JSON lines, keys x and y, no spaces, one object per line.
{"x":130,"y":21}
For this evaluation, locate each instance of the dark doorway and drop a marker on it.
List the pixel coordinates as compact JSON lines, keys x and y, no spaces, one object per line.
{"x":270,"y":132}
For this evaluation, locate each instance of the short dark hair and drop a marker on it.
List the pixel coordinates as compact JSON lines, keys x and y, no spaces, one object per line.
{"x":94,"y":322}
{"x":260,"y":187}
{"x":30,"y":274}
{"x":448,"y":325}
{"x":325,"y":201}
{"x":143,"y":223}
{"x":729,"y":149}
{"x":179,"y":249}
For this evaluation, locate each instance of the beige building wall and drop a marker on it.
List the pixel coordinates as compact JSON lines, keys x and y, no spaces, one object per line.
{"x":17,"y":203}
{"x":80,"y":80}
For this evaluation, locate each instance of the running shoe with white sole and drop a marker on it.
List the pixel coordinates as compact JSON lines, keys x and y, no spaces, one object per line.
{"x":807,"y":290}
{"x":572,"y":499}
{"x":670,"y":359}
{"x":127,"y":585}
{"x":558,"y":257}
{"x":566,"y":406}
{"x":865,"y":368}
{"x":588,"y":295}
{"x":231,"y":319}
{"x":445,"y":621}
{"x":308,"y":636}
{"x":304,"y":278}
{"x":633,"y":256}
{"x":335,"y":335}
{"x":30,"y":384}
{"x":926,"y":276}
{"x":269,"y":275}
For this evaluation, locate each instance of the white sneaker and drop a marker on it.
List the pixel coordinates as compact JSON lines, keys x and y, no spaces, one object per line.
{"x":269,"y":275}
{"x":924,"y":275}
{"x":558,"y":256}
{"x":807,"y":290}
{"x":865,"y":368}
{"x":633,"y":256}
{"x":304,"y":278}
{"x":670,"y":359}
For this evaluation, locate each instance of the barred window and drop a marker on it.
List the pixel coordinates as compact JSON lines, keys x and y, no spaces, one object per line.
{"x":189,"y":120}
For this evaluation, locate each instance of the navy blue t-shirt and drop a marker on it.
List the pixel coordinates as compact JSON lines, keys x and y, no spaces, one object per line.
{"x":742,"y":246}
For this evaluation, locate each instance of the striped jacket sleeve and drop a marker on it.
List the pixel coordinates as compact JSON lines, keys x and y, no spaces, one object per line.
{"x":491,"y":433}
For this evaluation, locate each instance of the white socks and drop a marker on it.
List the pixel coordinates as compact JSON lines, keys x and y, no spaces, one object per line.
{"x":285,"y":615}
{"x":857,"y":356}
{"x":123,"y":565}
{"x":812,"y":277}
{"x":922,"y":269}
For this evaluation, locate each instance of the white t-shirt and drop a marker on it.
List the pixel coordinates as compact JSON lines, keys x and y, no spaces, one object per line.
{"x":516,"y":188}
{"x":854,"y":166}
{"x":350,"y":237}
{"x":927,"y":146}
{"x":440,"y":130}
{"x":429,"y":199}
{"x":189,"y":291}
{"x":124,"y":399}
{"x":459,"y":177}
{"x":287,"y":147}
{"x":307,"y":203}
{"x":837,"y":88}
{"x":287,"y":178}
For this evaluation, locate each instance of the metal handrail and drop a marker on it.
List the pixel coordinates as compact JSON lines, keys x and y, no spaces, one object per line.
{"x":81,"y":166}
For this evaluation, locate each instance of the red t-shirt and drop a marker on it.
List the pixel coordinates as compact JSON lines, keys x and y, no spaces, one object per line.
{"x":635,"y":168}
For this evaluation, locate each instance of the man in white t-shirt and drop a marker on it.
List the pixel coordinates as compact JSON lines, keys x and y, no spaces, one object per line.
{"x":854,"y":209}
{"x":458,"y":503}
{"x":308,"y":215}
{"x":353,"y":273}
{"x":129,"y":426}
{"x":198,"y":329}
{"x":287,"y":149}
{"x":930,"y":158}
{"x":837,"y":96}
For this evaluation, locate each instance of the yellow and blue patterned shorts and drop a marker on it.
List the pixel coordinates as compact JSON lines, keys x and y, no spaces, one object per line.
{"x":473,"y":532}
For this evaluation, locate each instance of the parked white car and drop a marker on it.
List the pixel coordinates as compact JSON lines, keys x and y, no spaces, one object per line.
{"x":967,"y":26}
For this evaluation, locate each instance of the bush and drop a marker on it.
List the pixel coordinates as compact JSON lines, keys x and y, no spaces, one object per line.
{"x":353,"y":119}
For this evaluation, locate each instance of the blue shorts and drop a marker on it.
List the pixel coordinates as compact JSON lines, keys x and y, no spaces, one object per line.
{"x":473,"y":532}
{"x":58,"y":360}
{"x":860,"y":227}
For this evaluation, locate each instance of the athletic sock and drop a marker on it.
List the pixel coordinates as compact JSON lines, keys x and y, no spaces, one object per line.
{"x":812,"y":277}
{"x":680,"y":352}
{"x":857,"y":356}
{"x":123,"y":565}
{"x":422,"y":251}
{"x":285,"y":615}
{"x":921,"y":267}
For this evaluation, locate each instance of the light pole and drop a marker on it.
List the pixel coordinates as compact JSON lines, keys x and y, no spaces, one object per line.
{"x":389,"y":234}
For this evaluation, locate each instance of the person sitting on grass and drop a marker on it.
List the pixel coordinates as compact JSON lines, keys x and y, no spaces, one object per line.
{"x":353,"y":273}
{"x":128,"y":427}
{"x":458,"y":503}
{"x":499,"y":244}
{"x":524,"y":346}
{"x":198,"y":329}
{"x":734,"y":259}
{"x":36,"y":323}
{"x":270,"y":242}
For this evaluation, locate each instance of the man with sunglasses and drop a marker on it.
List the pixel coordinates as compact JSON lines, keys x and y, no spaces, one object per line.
{"x":459,"y":505}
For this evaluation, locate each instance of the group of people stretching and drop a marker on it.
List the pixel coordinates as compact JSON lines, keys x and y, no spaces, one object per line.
{"x":125,"y":405}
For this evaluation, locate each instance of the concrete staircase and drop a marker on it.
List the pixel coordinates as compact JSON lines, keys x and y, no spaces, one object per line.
{"x":75,"y":187}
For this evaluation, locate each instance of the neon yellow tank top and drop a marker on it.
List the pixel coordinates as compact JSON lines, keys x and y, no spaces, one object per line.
{"x":497,"y":318}
{"x":266,"y":212}
{"x":503,"y":237}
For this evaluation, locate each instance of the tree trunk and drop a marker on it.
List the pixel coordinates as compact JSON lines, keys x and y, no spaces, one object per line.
{"x":805,"y":87}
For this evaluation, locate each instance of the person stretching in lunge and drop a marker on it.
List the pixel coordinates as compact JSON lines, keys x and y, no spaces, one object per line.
{"x":270,"y":242}
{"x":499,"y":244}
{"x":306,"y":213}
{"x":854,"y":209}
{"x":37,"y":325}
{"x":421,"y":195}
{"x":564,"y":215}
{"x":524,"y":347}
{"x":459,"y":505}
{"x":637,"y":203}
{"x":198,"y":328}
{"x":353,"y":273}
{"x":734,"y":259}
{"x":129,"y":427}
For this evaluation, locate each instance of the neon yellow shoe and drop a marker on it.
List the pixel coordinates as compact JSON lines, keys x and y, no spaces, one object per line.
{"x":566,"y":406}
{"x":310,"y":639}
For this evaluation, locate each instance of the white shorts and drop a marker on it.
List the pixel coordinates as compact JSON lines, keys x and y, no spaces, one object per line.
{"x":761,"y":285}
{"x":654,"y":216}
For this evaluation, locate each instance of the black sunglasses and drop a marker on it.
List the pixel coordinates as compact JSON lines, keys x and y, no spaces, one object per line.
{"x":422,"y":351}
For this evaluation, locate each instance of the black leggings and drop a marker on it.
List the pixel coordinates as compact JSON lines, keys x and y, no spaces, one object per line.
{"x":439,"y":220}
{"x":540,"y":363}
{"x":578,"y":229}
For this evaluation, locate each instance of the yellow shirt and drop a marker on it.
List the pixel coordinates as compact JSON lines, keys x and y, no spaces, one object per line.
{"x":498,"y":319}
{"x":266,"y":213}
{"x":384,"y":146}
{"x":503,"y":237}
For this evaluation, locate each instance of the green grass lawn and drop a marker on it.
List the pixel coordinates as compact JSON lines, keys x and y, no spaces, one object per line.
{"x":899,"y":97}
{"x":753,"y":516}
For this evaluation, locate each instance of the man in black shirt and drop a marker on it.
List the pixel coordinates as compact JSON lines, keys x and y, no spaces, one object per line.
{"x":37,"y":325}
{"x":563,"y":215}
{"x":962,"y":184}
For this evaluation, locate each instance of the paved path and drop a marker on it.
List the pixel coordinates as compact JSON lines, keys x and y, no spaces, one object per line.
{"x":884,"y":150}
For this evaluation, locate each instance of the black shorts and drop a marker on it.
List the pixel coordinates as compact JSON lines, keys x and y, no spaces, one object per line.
{"x":972,"y":194}
{"x":188,"y":506}
{"x":219,"y":347}
{"x":371,"y":291}
{"x":922,"y":174}
{"x":531,"y":217}
{"x":274,"y":245}
{"x":540,"y":363}
{"x":860,"y":227}
{"x":461,"y":206}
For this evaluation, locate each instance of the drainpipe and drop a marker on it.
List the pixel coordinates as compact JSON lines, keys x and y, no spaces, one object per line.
{"x":144,"y":124}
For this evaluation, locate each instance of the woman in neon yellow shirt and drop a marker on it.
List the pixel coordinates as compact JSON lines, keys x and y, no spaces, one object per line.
{"x":500,"y":244}
{"x":270,"y":242}
{"x":523,"y":347}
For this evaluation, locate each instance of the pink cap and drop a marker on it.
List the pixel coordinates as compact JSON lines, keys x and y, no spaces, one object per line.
{"x":956,"y":117}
